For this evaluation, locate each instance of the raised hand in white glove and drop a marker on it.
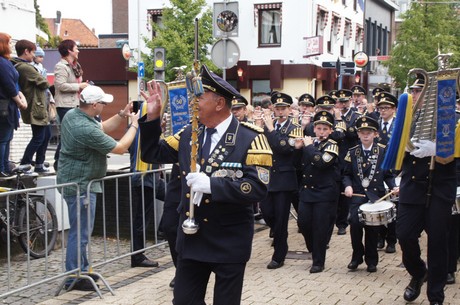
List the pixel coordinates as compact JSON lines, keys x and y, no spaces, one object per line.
{"x":425,"y":148}
{"x":200,"y":183}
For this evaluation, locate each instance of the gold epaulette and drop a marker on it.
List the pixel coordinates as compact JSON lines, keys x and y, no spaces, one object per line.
{"x":260,"y":152}
{"x":332,"y":148}
{"x":356,"y":146}
{"x":341,"y":126}
{"x":252,"y":126}
{"x":332,"y":141}
{"x":296,"y":133}
{"x":348,"y":156}
{"x":295,"y":121}
{"x":173,"y":141}
{"x":381,"y":145}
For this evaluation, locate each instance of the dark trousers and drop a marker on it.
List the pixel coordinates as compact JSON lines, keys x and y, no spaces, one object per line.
{"x":192,"y":278}
{"x":6,"y":135}
{"x":313,"y":222}
{"x":61,"y":112}
{"x":37,"y":145}
{"x":275,"y":210}
{"x":170,"y":225}
{"x":412,"y":219}
{"x":145,"y":210}
{"x":357,"y":231}
{"x":342,"y":211}
{"x":453,"y":243}
{"x":388,"y":233}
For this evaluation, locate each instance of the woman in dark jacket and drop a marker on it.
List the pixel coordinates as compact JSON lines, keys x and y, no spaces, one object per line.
{"x":10,"y":100}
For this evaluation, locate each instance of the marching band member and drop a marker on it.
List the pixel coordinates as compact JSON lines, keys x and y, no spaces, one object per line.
{"x":386,"y":104}
{"x":239,"y":105}
{"x":281,"y":135}
{"x":358,"y":95}
{"x":306,"y":109}
{"x":349,"y":117}
{"x":417,"y":212}
{"x":363,"y":176}
{"x":319,"y":189}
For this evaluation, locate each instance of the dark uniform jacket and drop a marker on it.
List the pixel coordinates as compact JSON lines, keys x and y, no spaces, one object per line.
{"x":384,"y":137}
{"x":283,"y":172}
{"x":338,"y":134}
{"x":226,"y":217}
{"x":351,"y":137}
{"x":319,"y":165}
{"x":356,"y":163}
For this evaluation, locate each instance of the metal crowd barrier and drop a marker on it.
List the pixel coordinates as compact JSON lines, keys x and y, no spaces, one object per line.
{"x":20,"y":272}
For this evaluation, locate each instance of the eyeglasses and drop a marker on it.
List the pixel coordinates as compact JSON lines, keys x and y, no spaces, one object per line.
{"x":384,"y":108}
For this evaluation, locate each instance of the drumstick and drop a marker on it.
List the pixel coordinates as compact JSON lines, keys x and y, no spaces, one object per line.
{"x":386,"y":196}
{"x":356,"y":195}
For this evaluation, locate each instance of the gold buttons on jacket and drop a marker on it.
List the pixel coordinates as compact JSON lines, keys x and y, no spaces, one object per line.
{"x":207,"y":201}
{"x":187,"y":214}
{"x":187,"y":195}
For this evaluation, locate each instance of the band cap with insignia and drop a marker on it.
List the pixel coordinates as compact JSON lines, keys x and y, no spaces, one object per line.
{"x":344,"y":95}
{"x":239,"y":101}
{"x":358,"y":90}
{"x":281,"y":99}
{"x":306,"y":99}
{"x":366,"y":122}
{"x":419,"y":82}
{"x":386,"y":98}
{"x":323,"y":117}
{"x":216,"y":84}
{"x":376,"y":91}
{"x":333,"y":94}
{"x":325,"y":101}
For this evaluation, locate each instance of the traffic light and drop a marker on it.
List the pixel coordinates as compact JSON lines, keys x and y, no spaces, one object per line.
{"x":159,"y":59}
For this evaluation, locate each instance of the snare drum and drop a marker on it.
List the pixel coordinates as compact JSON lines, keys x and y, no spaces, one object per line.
{"x":456,"y":205}
{"x":377,"y":214}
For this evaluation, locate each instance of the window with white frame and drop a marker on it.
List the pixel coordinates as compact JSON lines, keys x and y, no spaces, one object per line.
{"x":156,"y":17}
{"x":321,"y":20}
{"x":269,"y":18}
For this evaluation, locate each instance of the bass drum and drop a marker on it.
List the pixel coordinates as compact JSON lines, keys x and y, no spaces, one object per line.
{"x":377,"y":214}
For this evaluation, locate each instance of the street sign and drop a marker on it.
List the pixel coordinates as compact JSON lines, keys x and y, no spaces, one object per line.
{"x":328,"y":64}
{"x":225,"y":19}
{"x":344,"y":70}
{"x":140,"y":69}
{"x":225,"y":53}
{"x":347,"y":64}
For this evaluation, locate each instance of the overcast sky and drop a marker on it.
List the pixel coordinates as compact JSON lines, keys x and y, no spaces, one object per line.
{"x":94,"y":13}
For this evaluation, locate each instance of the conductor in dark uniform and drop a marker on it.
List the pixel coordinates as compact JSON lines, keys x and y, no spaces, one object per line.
{"x":239,"y":108}
{"x":281,"y":134}
{"x":417,"y":212}
{"x":319,"y":189}
{"x":234,"y":158}
{"x":364,"y":181}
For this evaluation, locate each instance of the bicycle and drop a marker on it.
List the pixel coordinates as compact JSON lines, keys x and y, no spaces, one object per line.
{"x":42,"y":224}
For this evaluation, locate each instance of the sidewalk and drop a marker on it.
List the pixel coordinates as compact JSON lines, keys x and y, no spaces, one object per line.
{"x":291,"y":284}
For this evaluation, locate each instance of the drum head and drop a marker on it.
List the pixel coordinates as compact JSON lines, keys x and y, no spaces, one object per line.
{"x":376,"y":207}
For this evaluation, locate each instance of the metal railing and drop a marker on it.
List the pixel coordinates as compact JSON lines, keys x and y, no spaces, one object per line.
{"x":21,"y":273}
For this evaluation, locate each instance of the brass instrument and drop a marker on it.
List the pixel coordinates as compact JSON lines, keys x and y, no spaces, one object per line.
{"x":194,"y":85}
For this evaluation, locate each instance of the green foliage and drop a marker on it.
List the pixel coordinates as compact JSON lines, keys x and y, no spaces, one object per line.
{"x":53,"y":41}
{"x":425,"y":29}
{"x":177,"y":36}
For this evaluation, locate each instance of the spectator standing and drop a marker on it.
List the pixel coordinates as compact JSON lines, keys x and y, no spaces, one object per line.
{"x":34,"y":87}
{"x":10,"y":99}
{"x":68,"y":82}
{"x":85,"y":145}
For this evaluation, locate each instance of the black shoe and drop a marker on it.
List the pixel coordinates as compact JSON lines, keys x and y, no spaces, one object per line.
{"x":275,"y":265}
{"x":4,"y":175}
{"x":316,"y":269}
{"x":145,"y":263}
{"x":271,"y":233}
{"x":380,"y":244}
{"x":450,"y":278}
{"x":83,"y":285}
{"x":390,"y":249}
{"x":95,"y":277}
{"x":413,"y":289}
{"x":353,"y":265}
{"x":341,"y":231}
{"x":173,"y":281}
{"x":371,"y":268}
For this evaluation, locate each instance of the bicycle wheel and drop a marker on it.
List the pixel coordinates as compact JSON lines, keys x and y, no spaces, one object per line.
{"x":43,"y":227}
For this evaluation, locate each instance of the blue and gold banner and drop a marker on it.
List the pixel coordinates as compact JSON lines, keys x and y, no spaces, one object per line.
{"x":180,"y":115}
{"x":445,"y":127}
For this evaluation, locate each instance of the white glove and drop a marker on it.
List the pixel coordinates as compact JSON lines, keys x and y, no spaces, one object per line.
{"x":424,"y":149}
{"x":200,"y":183}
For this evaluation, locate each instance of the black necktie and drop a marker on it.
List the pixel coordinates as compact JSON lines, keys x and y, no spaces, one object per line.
{"x":278,"y":127}
{"x":385,"y":124}
{"x":366,"y":153}
{"x":207,"y":143}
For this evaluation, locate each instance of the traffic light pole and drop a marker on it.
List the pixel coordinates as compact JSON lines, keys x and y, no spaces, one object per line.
{"x":338,"y":68}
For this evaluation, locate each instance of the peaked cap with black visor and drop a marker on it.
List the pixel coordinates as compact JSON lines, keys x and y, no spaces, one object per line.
{"x":216,"y":84}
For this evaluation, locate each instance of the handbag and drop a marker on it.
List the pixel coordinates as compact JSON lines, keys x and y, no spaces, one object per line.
{"x":4,"y":108}
{"x":52,"y":113}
